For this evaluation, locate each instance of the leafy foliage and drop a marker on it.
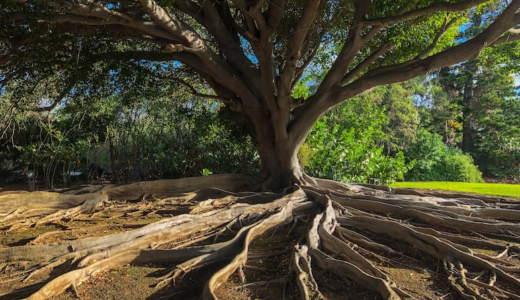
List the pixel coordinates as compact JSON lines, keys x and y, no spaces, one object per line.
{"x":435,"y":161}
{"x":476,"y":107}
{"x":161,"y":138}
{"x":343,"y":145}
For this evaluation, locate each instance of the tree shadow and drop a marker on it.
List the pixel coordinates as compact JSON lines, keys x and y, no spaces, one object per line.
{"x":187,"y":287}
{"x":21,"y":242}
{"x":23,"y":291}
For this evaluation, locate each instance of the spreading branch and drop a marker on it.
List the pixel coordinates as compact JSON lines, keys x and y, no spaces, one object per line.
{"x":353,"y":44}
{"x":512,"y":35}
{"x":194,"y":92}
{"x":295,"y":46}
{"x":405,"y":71}
{"x":440,"y":34}
{"x":209,"y":36}
{"x":366,"y":63}
{"x":437,"y":7}
{"x":320,"y":103}
{"x":58,"y":99}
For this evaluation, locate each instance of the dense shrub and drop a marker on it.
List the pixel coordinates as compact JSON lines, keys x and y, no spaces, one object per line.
{"x":342,"y":146}
{"x":434,"y":161}
{"x":151,"y":139}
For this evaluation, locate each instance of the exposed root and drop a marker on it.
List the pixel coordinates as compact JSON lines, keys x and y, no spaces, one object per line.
{"x":351,"y":232}
{"x":428,"y":218}
{"x":232,"y":198}
{"x":364,"y":242}
{"x":115,"y":253}
{"x":301,"y":267}
{"x":355,"y":268}
{"x":45,"y":207}
{"x":494,"y":288}
{"x":284,"y":280}
{"x":242,"y":244}
{"x":429,"y":244}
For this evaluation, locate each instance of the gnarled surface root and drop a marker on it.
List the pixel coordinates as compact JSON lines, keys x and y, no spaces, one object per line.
{"x":360,"y":234}
{"x":18,"y":209}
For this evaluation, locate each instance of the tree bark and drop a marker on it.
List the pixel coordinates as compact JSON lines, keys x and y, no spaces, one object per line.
{"x":468,"y":99}
{"x":280,"y":166}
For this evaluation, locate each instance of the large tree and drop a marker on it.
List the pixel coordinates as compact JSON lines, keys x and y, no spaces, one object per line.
{"x":253,"y":53}
{"x":250,"y":55}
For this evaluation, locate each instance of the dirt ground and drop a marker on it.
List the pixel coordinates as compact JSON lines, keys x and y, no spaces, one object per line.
{"x":137,"y":282}
{"x":269,"y":257}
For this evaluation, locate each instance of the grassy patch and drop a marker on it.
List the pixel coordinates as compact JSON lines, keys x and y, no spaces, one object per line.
{"x":495,"y":189}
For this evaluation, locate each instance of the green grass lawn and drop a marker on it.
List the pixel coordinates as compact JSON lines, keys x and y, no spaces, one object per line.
{"x":495,"y":189}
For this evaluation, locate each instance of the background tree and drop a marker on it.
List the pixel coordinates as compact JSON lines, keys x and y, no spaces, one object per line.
{"x":474,"y":105}
{"x":484,"y":111}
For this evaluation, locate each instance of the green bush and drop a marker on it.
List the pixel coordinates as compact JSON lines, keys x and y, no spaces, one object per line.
{"x":152,"y":139}
{"x":434,"y":161}
{"x":342,"y":146}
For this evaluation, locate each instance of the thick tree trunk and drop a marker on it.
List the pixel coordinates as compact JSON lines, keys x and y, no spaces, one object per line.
{"x":276,"y":147}
{"x":280,"y":165}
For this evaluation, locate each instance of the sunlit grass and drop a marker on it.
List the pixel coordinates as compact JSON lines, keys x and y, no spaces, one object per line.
{"x":495,"y":189}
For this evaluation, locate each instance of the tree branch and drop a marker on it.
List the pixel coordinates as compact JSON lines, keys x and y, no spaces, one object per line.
{"x":439,"y":35}
{"x":57,"y":100}
{"x":221,"y":71}
{"x":274,"y":12}
{"x":65,"y":18}
{"x":253,"y":12}
{"x":228,"y":44}
{"x":319,"y":104}
{"x":224,"y":11}
{"x":294,"y":50}
{"x":175,"y":27}
{"x":300,"y":70}
{"x":197,"y":94}
{"x":443,"y":6}
{"x":375,"y":55}
{"x":405,"y":71}
{"x":366,"y":63}
{"x":109,"y":17}
{"x":353,"y":44}
{"x":512,"y":36}
{"x":191,"y":9}
{"x":263,"y":48}
{"x":191,"y":89}
{"x":113,"y":12}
